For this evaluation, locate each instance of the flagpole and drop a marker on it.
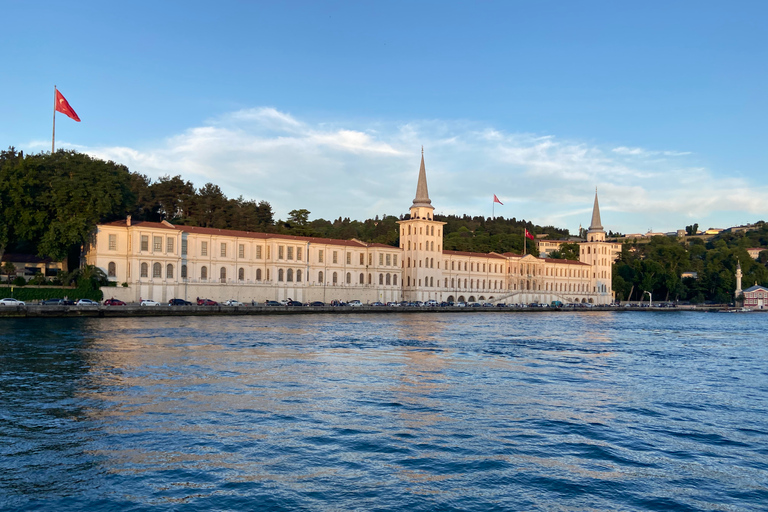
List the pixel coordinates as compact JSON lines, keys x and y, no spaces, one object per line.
{"x":53,"y":137}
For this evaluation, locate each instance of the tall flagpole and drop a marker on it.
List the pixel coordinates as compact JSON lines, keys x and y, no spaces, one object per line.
{"x":53,"y":137}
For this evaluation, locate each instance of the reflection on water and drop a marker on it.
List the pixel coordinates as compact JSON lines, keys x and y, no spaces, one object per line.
{"x":424,"y":412}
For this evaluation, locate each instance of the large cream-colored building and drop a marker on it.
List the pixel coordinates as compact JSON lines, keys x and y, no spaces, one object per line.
{"x":161,"y":261}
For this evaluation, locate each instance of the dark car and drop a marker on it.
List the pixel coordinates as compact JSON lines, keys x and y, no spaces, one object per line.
{"x":207,"y":302}
{"x":294,"y":303}
{"x":179,"y":302}
{"x":114,"y":302}
{"x":51,"y":302}
{"x":317,"y":303}
{"x":272,"y":303}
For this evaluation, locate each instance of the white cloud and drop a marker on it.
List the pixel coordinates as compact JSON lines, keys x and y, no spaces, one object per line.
{"x":338,"y":169}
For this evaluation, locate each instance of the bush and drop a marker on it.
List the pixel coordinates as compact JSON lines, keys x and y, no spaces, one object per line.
{"x":36,"y":294}
{"x":19,"y":281}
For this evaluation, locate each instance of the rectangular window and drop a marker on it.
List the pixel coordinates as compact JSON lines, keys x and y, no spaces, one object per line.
{"x":335,"y":256}
{"x":241,"y":251}
{"x":112,"y":242}
{"x":370,"y":259}
{"x":290,"y":253}
{"x":269,"y":255}
{"x":203,"y":248}
{"x":223,"y":250}
{"x":298,"y":254}
{"x":258,"y":252}
{"x":144,"y":243}
{"x":381,"y":258}
{"x":362,"y":259}
{"x":280,"y":252}
{"x":389,"y":259}
{"x":349,"y":258}
{"x":320,"y":256}
{"x":169,"y":245}
{"x":157,"y":244}
{"x":394,"y":259}
{"x":183,"y":247}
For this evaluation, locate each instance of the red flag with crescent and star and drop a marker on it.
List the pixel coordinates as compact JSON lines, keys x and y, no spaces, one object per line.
{"x":528,"y":235}
{"x":496,"y":200}
{"x":62,"y":105}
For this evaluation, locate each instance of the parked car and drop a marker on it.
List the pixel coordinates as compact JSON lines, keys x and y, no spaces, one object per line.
{"x":294,"y":303}
{"x":393,"y":304}
{"x":233,"y":302}
{"x":51,"y":302}
{"x":461,"y":304}
{"x":207,"y":302}
{"x":317,"y":303}
{"x":147,"y":302}
{"x":377,"y":303}
{"x":86,"y":302}
{"x":12,"y":302}
{"x":355,"y":303}
{"x":501,"y":305}
{"x":431,"y":303}
{"x":179,"y":302}
{"x":114,"y":302}
{"x":272,"y":303}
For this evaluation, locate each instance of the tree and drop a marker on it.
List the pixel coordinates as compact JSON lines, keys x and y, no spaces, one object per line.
{"x":9,"y":269}
{"x":298,"y":217}
{"x":692,"y":229}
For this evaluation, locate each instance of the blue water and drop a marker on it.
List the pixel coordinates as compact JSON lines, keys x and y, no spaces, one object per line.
{"x":560,"y":411}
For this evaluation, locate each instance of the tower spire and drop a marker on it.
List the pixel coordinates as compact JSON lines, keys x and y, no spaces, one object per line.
{"x":596,"y":225}
{"x":422,"y":194}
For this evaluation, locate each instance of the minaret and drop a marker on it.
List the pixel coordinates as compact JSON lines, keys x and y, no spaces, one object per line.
{"x":421,"y":238}
{"x":738,"y":280}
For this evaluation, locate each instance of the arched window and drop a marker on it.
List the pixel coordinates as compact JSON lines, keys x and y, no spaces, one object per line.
{"x":223,"y":274}
{"x":183,"y":271}
{"x":394,"y":279}
{"x":452,"y":283}
{"x":432,"y":281}
{"x":204,"y":273}
{"x":335,"y":278}
{"x":241,"y":274}
{"x":279,"y":274}
{"x":445,"y":285}
{"x":471,"y":283}
{"x":298,"y":276}
{"x":157,"y":270}
{"x":258,"y":274}
{"x":169,"y":271}
{"x":381,"y":278}
{"x":370,"y":279}
{"x":289,"y":275}
{"x":362,"y":278}
{"x":389,"y":278}
{"x":409,"y":229}
{"x":111,"y":269}
{"x":320,"y":277}
{"x":349,"y":278}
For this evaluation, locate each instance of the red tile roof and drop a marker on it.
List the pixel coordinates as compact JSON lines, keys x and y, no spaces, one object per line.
{"x":474,"y":254}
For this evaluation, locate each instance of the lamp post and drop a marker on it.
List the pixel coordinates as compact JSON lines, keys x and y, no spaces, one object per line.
{"x":650,"y":298}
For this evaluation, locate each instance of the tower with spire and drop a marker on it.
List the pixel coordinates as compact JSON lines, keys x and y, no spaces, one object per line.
{"x":421,"y":239}
{"x":598,"y":253}
{"x":739,"y":291}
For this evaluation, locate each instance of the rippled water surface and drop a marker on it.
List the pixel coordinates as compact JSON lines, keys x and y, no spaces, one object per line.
{"x":603,"y":411}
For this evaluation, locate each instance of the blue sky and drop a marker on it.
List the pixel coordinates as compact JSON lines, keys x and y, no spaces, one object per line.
{"x":325,"y":105}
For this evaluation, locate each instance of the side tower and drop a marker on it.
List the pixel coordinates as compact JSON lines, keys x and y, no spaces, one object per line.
{"x":596,"y":252}
{"x":738,"y":280}
{"x":421,"y":239}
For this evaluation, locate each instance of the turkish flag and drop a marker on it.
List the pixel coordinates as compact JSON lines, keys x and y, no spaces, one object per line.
{"x":62,"y":105}
{"x":496,"y":199}
{"x":528,"y":235}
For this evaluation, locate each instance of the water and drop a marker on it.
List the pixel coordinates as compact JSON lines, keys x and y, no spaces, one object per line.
{"x":603,"y":411}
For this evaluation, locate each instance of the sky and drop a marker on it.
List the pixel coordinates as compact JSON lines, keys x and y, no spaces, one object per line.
{"x":659,"y":106}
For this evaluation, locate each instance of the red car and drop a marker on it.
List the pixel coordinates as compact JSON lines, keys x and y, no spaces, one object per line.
{"x":207,"y":302}
{"x":114,"y":302}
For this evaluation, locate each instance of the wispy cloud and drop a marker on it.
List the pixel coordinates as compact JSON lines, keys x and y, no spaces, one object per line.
{"x":344,"y":169}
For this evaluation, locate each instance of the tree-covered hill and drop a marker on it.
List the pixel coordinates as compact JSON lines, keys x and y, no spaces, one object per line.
{"x":50,"y":203}
{"x":657,"y":267}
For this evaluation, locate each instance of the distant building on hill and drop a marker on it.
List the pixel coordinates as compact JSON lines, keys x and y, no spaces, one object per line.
{"x":754,"y":252}
{"x":159,"y":260}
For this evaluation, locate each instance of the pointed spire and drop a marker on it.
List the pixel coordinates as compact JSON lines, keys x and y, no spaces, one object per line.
{"x":596,"y":225}
{"x":422,"y":194}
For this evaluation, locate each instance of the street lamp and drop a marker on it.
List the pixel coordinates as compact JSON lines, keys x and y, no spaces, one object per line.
{"x":650,"y":298}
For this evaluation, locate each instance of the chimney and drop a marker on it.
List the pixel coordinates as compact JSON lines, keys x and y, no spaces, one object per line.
{"x":128,"y":221}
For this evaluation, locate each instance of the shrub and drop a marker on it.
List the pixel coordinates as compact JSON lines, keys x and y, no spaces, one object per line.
{"x":36,"y":294}
{"x":19,"y":281}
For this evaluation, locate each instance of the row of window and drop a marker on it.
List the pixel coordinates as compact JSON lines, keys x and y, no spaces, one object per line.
{"x":430,"y":246}
{"x":430,"y":230}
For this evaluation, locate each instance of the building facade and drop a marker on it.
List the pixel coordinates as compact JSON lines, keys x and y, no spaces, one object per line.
{"x":160,"y":261}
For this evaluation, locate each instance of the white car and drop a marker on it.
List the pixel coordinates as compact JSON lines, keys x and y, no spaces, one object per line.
{"x":147,"y":302}
{"x":86,"y":302}
{"x":12,"y":302}
{"x":233,"y":302}
{"x":355,"y":303}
